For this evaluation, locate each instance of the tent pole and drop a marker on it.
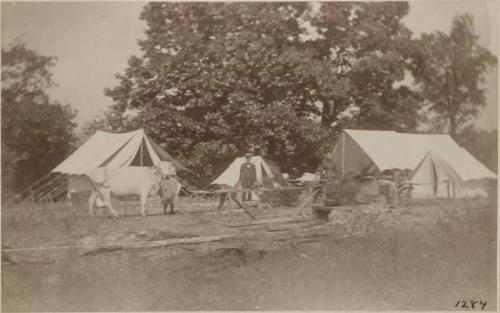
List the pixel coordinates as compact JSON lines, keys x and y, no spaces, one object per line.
{"x":142,"y":152}
{"x":448,"y":189}
{"x":434,"y":181}
{"x":343,"y":153}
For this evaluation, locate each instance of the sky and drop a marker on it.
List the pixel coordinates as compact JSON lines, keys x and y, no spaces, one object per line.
{"x":93,"y":41}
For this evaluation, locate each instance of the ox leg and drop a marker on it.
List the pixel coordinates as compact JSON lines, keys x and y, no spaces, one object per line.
{"x":92,"y":199}
{"x":222,"y":199}
{"x":230,"y":207}
{"x":107,"y":201}
{"x":143,"y":205}
{"x":113,"y":212}
{"x":164,"y":208}
{"x":172,"y":208}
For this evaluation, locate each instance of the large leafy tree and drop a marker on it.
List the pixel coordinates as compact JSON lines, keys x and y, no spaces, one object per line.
{"x":37,"y":132}
{"x":451,"y":71}
{"x":217,"y":79}
{"x":371,"y":49}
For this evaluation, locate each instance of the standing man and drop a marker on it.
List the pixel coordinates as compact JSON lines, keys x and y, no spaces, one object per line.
{"x":327,"y":169}
{"x":248,"y":177}
{"x":328,"y":172}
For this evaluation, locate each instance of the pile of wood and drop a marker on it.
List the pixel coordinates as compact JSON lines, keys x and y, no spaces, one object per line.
{"x":277,"y":230}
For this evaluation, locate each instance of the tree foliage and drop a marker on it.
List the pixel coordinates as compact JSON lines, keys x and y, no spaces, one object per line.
{"x":451,"y":71}
{"x":372,"y":49}
{"x":218,"y":79}
{"x":37,"y":133}
{"x":483,"y":144}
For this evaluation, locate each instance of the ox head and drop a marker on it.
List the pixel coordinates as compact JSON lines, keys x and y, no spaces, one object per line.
{"x":167,"y":169}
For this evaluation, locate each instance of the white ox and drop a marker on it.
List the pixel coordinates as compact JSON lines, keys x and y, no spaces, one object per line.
{"x":128,"y":181}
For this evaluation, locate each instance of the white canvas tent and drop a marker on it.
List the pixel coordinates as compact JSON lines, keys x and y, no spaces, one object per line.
{"x":267,"y":173}
{"x":368,"y":151}
{"x":111,"y":150}
{"x":372,"y":151}
{"x":434,"y":177}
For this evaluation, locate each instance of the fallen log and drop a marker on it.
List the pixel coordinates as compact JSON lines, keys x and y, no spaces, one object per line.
{"x":273,"y":221}
{"x":102,"y":250}
{"x":154,"y":244}
{"x":290,"y":230}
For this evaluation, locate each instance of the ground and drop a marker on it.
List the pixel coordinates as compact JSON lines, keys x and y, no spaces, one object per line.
{"x":426,"y":257}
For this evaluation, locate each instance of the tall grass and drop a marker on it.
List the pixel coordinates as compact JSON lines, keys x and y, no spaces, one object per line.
{"x":405,"y":266}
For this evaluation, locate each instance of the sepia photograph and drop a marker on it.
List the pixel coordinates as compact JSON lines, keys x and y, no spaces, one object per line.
{"x":249,"y":156}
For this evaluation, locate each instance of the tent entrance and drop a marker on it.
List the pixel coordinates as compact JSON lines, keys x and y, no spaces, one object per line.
{"x":142,"y":157}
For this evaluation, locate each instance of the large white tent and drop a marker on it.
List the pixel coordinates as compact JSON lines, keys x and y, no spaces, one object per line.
{"x":267,"y":173}
{"x":434,"y":177}
{"x":372,"y":151}
{"x":368,"y":151}
{"x":104,"y":149}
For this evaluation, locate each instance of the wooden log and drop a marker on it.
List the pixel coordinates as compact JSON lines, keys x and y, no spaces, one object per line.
{"x":286,"y":220}
{"x":154,"y":244}
{"x":293,"y":231}
{"x":102,"y":250}
{"x":238,"y":190}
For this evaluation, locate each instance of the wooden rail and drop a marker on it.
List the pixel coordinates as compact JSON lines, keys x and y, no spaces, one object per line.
{"x":235,"y":190}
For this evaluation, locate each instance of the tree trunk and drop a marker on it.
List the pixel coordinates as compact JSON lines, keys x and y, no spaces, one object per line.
{"x":327,"y":116}
{"x":453,"y":124}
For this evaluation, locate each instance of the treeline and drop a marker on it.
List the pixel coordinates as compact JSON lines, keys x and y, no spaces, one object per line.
{"x":283,"y":79}
{"x":37,"y":132}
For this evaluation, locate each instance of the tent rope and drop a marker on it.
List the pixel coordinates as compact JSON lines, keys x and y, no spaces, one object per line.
{"x":30,"y":189}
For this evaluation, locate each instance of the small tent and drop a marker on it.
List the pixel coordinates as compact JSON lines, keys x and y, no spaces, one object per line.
{"x":372,"y":152}
{"x":268,"y":174}
{"x":105,"y":149}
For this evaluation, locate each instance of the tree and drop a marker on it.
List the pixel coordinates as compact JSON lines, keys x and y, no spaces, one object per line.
{"x":451,"y":71}
{"x":37,"y":133}
{"x":482,"y":144}
{"x":217,"y":79}
{"x":371,"y":50}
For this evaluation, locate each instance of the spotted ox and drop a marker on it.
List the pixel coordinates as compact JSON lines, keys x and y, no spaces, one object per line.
{"x":128,"y":181}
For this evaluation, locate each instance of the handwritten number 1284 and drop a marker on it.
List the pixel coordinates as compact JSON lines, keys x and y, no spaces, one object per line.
{"x":472,"y":304}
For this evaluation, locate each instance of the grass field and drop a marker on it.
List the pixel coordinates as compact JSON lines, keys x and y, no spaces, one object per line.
{"x":428,"y":258}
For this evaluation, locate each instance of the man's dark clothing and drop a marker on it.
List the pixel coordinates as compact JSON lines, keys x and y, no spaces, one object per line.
{"x":248,"y":177}
{"x":328,"y":169}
